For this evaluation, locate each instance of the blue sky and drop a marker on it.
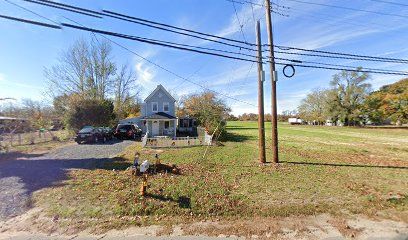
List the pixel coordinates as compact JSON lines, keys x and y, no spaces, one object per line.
{"x":25,"y":50}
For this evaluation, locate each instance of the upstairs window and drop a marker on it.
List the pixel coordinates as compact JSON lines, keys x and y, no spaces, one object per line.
{"x":155,"y":107}
{"x":165,"y":107}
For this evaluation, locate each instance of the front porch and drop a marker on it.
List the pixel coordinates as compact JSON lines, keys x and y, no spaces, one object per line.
{"x":161,"y":127}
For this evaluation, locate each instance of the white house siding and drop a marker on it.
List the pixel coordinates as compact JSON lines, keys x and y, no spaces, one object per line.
{"x":160,"y":97}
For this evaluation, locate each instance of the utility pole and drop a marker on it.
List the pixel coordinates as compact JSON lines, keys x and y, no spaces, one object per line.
{"x":261,"y":122}
{"x":274,"y":112}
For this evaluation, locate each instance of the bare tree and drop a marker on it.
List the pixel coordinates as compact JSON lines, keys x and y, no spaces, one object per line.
{"x":85,"y":68}
{"x":127,"y":92}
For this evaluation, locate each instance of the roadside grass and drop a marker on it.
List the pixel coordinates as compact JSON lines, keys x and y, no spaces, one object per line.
{"x":336,"y":170}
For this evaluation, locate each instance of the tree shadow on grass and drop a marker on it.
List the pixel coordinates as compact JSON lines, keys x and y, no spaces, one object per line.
{"x":345,"y":165}
{"x":234,"y":137}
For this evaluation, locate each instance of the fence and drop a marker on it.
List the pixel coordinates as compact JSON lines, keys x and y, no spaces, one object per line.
{"x":162,"y":142}
{"x":18,"y":139}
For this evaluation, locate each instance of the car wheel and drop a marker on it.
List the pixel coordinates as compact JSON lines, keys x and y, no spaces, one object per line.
{"x":96,"y":139}
{"x":104,"y":139}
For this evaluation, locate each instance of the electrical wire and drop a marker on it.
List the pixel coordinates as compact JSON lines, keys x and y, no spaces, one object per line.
{"x":339,"y":65}
{"x":349,"y":8}
{"x":341,"y":54}
{"x":361,"y":57}
{"x":239,"y":22}
{"x":145,"y":40}
{"x":392,"y":3}
{"x":341,"y":69}
{"x":30,"y":22}
{"x":167,"y":45}
{"x":63,"y":8}
{"x":337,"y":57}
{"x":111,"y":14}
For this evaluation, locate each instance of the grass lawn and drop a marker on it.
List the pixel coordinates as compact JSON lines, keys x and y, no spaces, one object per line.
{"x":336,"y":170}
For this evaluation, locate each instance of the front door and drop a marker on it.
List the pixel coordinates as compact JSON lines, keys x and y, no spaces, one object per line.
{"x":155,"y":128}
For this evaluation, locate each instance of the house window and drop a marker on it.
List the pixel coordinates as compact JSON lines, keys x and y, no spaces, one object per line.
{"x":165,"y":107}
{"x":166,"y":125}
{"x":155,"y":107}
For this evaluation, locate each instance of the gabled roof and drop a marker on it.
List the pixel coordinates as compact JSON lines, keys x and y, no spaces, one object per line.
{"x":159,"y":87}
{"x":159,"y":115}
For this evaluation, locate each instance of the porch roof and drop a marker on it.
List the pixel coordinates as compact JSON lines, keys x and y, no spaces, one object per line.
{"x":159,"y":115}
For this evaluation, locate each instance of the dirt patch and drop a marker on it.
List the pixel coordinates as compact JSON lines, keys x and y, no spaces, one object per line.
{"x":303,"y":227}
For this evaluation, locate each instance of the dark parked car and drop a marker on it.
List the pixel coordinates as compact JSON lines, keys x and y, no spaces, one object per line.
{"x":107,"y":133}
{"x":128,"y":131}
{"x":90,"y":135}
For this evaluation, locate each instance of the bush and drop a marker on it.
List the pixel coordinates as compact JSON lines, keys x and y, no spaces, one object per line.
{"x":83,"y":112}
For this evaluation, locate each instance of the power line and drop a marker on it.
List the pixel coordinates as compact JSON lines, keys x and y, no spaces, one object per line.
{"x":339,"y":65}
{"x":28,"y":10}
{"x":129,"y":19}
{"x":124,"y":17}
{"x":349,"y":8}
{"x":336,"y":57}
{"x":155,"y":64}
{"x":64,"y":7}
{"x":341,"y":69}
{"x":150,"y":41}
{"x":392,"y":3}
{"x":239,"y":22}
{"x":30,"y":22}
{"x":341,"y":54}
{"x":158,"y":42}
{"x":115,"y":15}
{"x":262,"y":5}
{"x":292,"y":62}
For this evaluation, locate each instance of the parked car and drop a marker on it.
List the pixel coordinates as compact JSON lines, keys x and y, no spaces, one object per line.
{"x":107,"y":133}
{"x":128,"y":131}
{"x":89,"y":134}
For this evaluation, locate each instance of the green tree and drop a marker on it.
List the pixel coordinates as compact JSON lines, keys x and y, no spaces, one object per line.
{"x":347,"y":95}
{"x":93,"y":112}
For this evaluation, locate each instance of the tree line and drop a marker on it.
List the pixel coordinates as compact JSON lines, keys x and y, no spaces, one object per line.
{"x":283,"y":117}
{"x":350,"y":101}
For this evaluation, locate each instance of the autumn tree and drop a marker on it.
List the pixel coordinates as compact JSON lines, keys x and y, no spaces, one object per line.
{"x":315,"y":106}
{"x":389,"y":102}
{"x":209,"y":110}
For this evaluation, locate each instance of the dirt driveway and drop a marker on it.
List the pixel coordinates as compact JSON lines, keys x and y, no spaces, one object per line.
{"x":22,"y":174}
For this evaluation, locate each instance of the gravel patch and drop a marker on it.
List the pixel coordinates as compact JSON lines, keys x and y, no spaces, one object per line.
{"x":22,"y":174}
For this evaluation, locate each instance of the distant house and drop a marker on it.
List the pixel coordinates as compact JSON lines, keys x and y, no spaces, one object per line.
{"x":158,"y":116}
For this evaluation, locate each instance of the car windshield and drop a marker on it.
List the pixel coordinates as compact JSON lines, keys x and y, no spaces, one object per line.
{"x":124,"y":127}
{"x":86,"y":130}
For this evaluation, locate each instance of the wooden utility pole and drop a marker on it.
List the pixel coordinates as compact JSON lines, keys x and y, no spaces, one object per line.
{"x":261,"y":122}
{"x":274,"y":112}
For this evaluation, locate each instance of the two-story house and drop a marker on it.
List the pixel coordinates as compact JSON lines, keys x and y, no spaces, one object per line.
{"x":158,"y":116}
